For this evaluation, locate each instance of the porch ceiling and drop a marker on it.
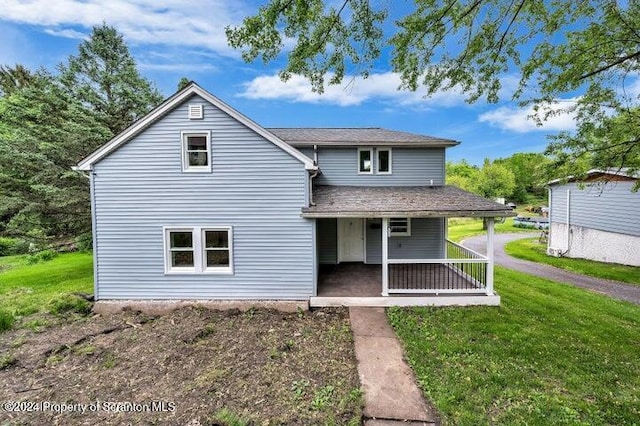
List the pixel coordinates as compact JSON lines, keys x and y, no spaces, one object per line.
{"x":401,"y":201}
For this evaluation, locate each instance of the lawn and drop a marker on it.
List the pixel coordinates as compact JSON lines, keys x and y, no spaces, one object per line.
{"x":26,"y":289}
{"x":550,"y":354}
{"x":460,"y":228}
{"x":208,"y":367}
{"x":531,"y":249}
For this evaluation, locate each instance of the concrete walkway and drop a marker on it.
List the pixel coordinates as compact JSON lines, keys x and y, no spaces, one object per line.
{"x":391,"y":395}
{"x":615,"y":289}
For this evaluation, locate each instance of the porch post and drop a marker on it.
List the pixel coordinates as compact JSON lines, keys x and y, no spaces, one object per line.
{"x":490,"y":222}
{"x":385,"y":256}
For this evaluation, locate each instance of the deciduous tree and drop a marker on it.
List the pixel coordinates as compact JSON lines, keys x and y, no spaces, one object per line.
{"x":586,"y":51}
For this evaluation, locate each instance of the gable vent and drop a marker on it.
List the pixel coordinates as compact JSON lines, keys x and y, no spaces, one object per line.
{"x":196,"y":112}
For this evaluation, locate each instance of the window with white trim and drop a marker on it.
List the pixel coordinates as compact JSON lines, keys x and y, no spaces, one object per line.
{"x":383,"y":163}
{"x":199,"y":250}
{"x":399,"y":227}
{"x":217,"y":251}
{"x":365,"y":160}
{"x":196,"y":151}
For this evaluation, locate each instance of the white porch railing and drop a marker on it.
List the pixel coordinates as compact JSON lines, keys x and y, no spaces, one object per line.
{"x":461,"y":271}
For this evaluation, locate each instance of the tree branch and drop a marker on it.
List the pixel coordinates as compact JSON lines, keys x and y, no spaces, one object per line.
{"x":506,"y":31}
{"x":610,"y":65}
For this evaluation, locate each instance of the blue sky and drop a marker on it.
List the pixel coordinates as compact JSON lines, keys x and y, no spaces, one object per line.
{"x":171,"y":39}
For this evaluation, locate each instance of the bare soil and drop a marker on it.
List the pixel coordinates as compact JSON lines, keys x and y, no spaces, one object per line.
{"x":193,"y":366}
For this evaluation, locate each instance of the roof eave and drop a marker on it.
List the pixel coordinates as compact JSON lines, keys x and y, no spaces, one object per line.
{"x":344,"y":144}
{"x":412,"y":214}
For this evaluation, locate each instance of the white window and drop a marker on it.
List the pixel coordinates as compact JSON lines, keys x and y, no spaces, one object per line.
{"x":196,"y":151}
{"x":399,"y":227}
{"x":383,"y":163}
{"x":365,"y":160}
{"x":216,"y":250}
{"x":198,"y":250}
{"x":180,"y":248}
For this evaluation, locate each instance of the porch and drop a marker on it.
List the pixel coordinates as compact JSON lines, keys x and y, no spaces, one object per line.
{"x":459,"y":279}
{"x":386,"y":246}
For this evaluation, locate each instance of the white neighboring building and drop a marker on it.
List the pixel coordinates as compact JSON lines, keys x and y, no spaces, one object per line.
{"x":597,"y":218}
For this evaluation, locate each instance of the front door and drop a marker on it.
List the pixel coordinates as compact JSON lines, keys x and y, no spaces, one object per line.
{"x":351,"y":240}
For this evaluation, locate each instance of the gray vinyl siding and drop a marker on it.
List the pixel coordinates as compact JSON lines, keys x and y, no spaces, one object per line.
{"x":306,"y":151}
{"x":614,"y":208}
{"x":410,"y":167}
{"x":327,"y":237}
{"x":373,"y":252}
{"x":254,"y":187}
{"x":425,"y":242}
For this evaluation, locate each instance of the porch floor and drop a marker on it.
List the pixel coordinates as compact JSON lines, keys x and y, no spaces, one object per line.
{"x":357,"y":284}
{"x":350,"y":280}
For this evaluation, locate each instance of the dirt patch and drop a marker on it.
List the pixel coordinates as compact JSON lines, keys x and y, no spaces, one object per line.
{"x":193,"y":366}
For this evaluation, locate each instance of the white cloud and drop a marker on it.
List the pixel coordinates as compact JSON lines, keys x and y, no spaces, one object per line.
{"x":352,"y":91}
{"x":189,"y":67}
{"x":66,"y":33}
{"x":521,"y":120}
{"x":165,"y":22}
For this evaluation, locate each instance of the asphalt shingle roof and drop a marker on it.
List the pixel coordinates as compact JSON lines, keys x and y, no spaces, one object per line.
{"x":356,"y":136}
{"x":401,"y":201}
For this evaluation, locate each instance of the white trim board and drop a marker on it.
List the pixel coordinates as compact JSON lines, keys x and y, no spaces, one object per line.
{"x":171,"y":103}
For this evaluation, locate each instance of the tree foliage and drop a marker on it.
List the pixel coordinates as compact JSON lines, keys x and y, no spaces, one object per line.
{"x":48,"y":123}
{"x":492,"y":180}
{"x":43,"y":133}
{"x":104,"y":77}
{"x":14,"y":78}
{"x":531,"y":173}
{"x":585,"y":50}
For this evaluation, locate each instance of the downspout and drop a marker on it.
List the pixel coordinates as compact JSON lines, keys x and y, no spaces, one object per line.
{"x":91,"y":176}
{"x":315,"y":155}
{"x":313,"y":174}
{"x":568,"y":219}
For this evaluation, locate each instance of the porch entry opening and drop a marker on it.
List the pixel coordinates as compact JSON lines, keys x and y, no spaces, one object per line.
{"x":351,"y":240}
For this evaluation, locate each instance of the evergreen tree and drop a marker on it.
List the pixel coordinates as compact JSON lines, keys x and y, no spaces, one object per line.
{"x":43,"y":133}
{"x":104,"y":77}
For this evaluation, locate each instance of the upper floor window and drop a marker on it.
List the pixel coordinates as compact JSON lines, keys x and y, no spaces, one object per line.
{"x":380,"y":162}
{"x":399,"y":227}
{"x":365,"y":160}
{"x":198,"y":250}
{"x":196,"y":151}
{"x":383,"y":164}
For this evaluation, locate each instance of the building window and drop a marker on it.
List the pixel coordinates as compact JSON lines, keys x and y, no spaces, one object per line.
{"x":198,"y":250}
{"x":180,"y":250}
{"x":399,"y":227}
{"x":383,"y":165}
{"x":217,"y":252}
{"x":196,"y":152}
{"x":365,"y":160}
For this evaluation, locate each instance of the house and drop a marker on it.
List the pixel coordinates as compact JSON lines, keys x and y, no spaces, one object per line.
{"x":196,"y":201}
{"x":597,"y":218}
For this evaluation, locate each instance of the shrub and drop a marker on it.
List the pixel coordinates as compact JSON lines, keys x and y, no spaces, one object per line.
{"x":11,"y":246}
{"x":6,"y":320}
{"x":84,"y":242}
{"x":41,"y":256}
{"x":69,"y":303}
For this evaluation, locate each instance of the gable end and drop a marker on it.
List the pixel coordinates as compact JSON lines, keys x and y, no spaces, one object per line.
{"x":171,"y":103}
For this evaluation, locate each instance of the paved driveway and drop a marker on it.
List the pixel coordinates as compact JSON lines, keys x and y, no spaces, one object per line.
{"x":613,"y":289}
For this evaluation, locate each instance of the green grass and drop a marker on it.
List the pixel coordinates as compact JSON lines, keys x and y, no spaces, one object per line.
{"x":26,"y":289}
{"x":531,"y":249}
{"x":551,"y":354}
{"x":462,"y":228}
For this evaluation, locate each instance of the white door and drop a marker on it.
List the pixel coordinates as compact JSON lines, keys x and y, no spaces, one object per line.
{"x":351,"y":240}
